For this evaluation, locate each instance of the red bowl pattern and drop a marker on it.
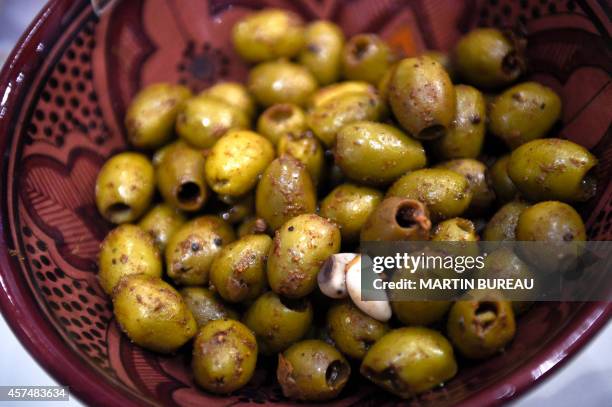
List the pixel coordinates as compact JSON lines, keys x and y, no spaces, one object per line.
{"x":64,"y":93}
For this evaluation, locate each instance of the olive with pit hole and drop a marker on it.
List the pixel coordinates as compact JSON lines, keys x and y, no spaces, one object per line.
{"x":366,"y":57}
{"x":125,"y":187}
{"x":307,"y":149}
{"x":397,"y":218}
{"x":281,"y":119}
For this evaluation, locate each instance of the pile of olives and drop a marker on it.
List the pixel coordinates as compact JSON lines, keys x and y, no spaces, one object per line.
{"x":239,"y":194}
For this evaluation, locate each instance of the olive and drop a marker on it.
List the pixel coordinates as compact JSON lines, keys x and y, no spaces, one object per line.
{"x":523,"y":113}
{"x":486,"y":57}
{"x":446,"y":193}
{"x":224,"y":356}
{"x":268,"y":34}
{"x":504,"y":188}
{"x":322,"y":52}
{"x":281,"y":119}
{"x":502,"y":226}
{"x":278,"y":322}
{"x":376,"y":153}
{"x":349,"y":206}
{"x":383,"y":83}
{"x":238,"y":273}
{"x":553,"y":169}
{"x":306,"y":148}
{"x":481,"y":326}
{"x":204,"y":119}
{"x":455,"y":230}
{"x":420,"y":312}
{"x":300,"y":247}
{"x":409,"y":361}
{"x":192,"y":249}
{"x":443,"y":59}
{"x":161,"y":222}
{"x":125,"y":187}
{"x":150,"y":117}
{"x":284,"y":191}
{"x":281,"y":82}
{"x":422,"y":97}
{"x":180,"y":176}
{"x":560,"y":229}
{"x":366,"y":57}
{"x":327,"y":93}
{"x":327,"y":118}
{"x":478,"y":177}
{"x":206,"y":306}
{"x":127,"y":250}
{"x":312,"y":370}
{"x":465,"y":135}
{"x":152,"y":313}
{"x":252,"y":226}
{"x":234,"y":94}
{"x":504,"y":263}
{"x":236,"y":162}
{"x":352,"y":331}
{"x":397,"y":218}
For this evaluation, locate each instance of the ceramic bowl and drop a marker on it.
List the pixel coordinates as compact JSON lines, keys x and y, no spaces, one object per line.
{"x":64,"y":91}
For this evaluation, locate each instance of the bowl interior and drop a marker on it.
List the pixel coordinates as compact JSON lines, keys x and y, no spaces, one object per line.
{"x":67,"y":119}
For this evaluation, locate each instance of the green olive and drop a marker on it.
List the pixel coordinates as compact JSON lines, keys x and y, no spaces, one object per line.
{"x":268,"y":34}
{"x":150,"y":117}
{"x":278,"y":322}
{"x":192,"y":249}
{"x":252,"y":226}
{"x":205,"y":119}
{"x":486,"y":57}
{"x":477,"y":175}
{"x":326,"y":119}
{"x":312,"y":370}
{"x":152,"y":313}
{"x":279,"y":120}
{"x":446,"y":193}
{"x":553,"y":169}
{"x":322,"y":52}
{"x":502,"y":226}
{"x":550,"y":221}
{"x":161,"y":222}
{"x":505,"y":263}
{"x":397,"y":218}
{"x":455,"y":230}
{"x":383,"y":83}
{"x":561,"y":234}
{"x":180,"y":176}
{"x":420,"y":312}
{"x":284,"y":191}
{"x":352,"y":331}
{"x":127,"y":250}
{"x":125,"y":187}
{"x":300,"y":247}
{"x":409,"y":361}
{"x":237,"y":209}
{"x":376,"y":153}
{"x":206,"y":306}
{"x":350,"y":206}
{"x":481,"y":327}
{"x":234,"y":94}
{"x":324,"y":95}
{"x":366,"y":57}
{"x":422,"y":97}
{"x":306,"y":148}
{"x":523,"y":113}
{"x":236,"y":162}
{"x":465,"y":135}
{"x":281,"y":82}
{"x":443,"y":59}
{"x":224,"y":356}
{"x":504,"y":188}
{"x":238,"y":273}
